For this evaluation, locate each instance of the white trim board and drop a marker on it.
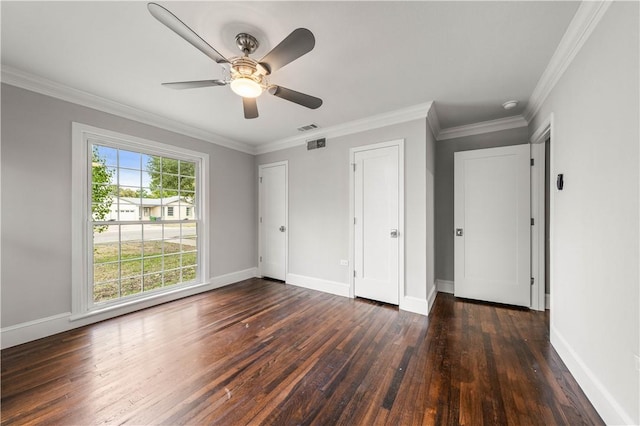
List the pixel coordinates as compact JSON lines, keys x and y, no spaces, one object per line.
{"x":585,"y":20}
{"x":415,"y":305}
{"x":445,"y":286}
{"x":37,"y":329}
{"x":482,"y":127}
{"x":403,"y":115}
{"x":318,"y":284}
{"x":24,"y":80}
{"x":431,"y":298}
{"x":604,"y":403}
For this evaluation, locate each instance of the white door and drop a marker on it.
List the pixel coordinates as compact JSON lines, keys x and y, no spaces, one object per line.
{"x":273,"y":220}
{"x":492,"y":225}
{"x":376,"y":208}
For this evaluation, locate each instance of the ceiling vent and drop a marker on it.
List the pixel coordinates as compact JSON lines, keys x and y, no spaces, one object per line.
{"x":307,"y":127}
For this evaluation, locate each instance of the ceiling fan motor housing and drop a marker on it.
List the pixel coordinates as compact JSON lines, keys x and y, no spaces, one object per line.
{"x":247,"y":43}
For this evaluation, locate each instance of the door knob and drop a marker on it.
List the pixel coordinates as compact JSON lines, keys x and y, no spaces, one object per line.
{"x":282,"y":229}
{"x":394,"y":233}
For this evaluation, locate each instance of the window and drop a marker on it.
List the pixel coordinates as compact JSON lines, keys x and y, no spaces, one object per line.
{"x":187,"y":211}
{"x":128,"y":257}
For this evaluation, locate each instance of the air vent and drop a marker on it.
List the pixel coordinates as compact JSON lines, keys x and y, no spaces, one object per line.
{"x":307,"y":127}
{"x":316,"y":143}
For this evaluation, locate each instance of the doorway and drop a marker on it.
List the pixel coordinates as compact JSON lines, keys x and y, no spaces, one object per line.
{"x":273,"y":220}
{"x":542,"y":190}
{"x":377,"y":206}
{"x":492,"y":220}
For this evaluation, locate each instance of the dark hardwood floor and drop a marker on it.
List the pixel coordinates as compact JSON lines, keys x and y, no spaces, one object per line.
{"x":260,"y":352}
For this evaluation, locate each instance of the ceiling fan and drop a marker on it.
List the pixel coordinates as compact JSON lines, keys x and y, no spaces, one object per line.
{"x":247,"y":77}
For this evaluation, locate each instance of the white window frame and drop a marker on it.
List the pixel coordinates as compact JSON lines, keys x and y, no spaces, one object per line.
{"x":82,"y":232}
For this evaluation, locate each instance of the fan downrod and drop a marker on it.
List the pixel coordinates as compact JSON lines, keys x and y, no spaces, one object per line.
{"x":247,"y":43}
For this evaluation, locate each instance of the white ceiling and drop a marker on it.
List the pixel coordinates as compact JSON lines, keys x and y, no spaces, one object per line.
{"x":370,"y":57}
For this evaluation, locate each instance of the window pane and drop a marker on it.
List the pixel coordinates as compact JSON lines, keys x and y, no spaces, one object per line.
{"x":131,"y":241}
{"x":128,"y":177}
{"x":187,"y":184}
{"x":106,"y":155}
{"x":172,"y":277}
{"x":171,"y":246}
{"x":187,"y":168}
{"x":151,"y":162}
{"x":131,"y":268}
{"x":131,"y":286}
{"x":189,"y":274}
{"x":170,"y":165}
{"x":172,"y":261}
{"x":152,"y":281}
{"x":146,"y":179}
{"x":170,"y":184}
{"x":130,"y":160}
{"x":152,"y":240}
{"x":106,"y":271}
{"x":105,"y":291}
{"x":189,"y":259}
{"x":106,"y":243}
{"x":152,"y":264}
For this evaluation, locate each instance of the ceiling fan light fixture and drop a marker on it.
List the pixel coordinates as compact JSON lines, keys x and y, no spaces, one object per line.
{"x":246,"y":87}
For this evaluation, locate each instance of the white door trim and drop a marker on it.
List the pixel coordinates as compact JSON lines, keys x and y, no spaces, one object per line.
{"x":544,"y":131}
{"x":352,"y":152}
{"x":286,"y":213}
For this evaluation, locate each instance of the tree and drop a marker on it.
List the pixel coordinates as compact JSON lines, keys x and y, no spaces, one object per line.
{"x":133,"y":193}
{"x":101,"y":190}
{"x":170,"y":177}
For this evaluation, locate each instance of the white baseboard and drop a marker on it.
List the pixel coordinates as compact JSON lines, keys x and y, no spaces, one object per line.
{"x":604,"y":403}
{"x":37,"y":329}
{"x":445,"y":286}
{"x":414,"y":304}
{"x":333,"y":287}
{"x":233,"y":277}
{"x":431,"y":298}
{"x":34,"y":330}
{"x":547,"y":301}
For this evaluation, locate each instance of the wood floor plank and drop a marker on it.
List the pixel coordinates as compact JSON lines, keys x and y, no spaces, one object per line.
{"x":261,"y":352}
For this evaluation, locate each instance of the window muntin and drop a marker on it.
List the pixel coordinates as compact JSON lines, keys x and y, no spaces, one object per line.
{"x":135,"y":249}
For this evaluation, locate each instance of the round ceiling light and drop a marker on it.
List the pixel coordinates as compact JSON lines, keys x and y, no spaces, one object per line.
{"x":510,"y":104}
{"x":246,"y":87}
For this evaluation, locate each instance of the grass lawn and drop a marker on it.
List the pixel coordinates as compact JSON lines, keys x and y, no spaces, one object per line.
{"x":139,"y":268}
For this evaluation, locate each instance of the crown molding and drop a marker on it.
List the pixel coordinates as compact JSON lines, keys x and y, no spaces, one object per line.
{"x":585,"y":20}
{"x":374,"y":122}
{"x":24,"y":80}
{"x":482,"y":127}
{"x":434,"y":122}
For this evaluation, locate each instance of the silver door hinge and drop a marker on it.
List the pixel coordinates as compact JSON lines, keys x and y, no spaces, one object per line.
{"x":260,"y":258}
{"x":354,"y":273}
{"x":533,"y":161}
{"x":533,"y":222}
{"x":354,"y":166}
{"x":260,"y":220}
{"x":354,"y":220}
{"x":532,"y":280}
{"x":260,"y":179}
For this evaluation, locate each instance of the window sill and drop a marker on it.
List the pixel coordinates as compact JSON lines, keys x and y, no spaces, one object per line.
{"x":143,"y":302}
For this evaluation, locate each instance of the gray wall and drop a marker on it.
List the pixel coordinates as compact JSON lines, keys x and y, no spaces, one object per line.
{"x":319,"y":203}
{"x":36,"y":200}
{"x":444,"y":187}
{"x":595,"y":307}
